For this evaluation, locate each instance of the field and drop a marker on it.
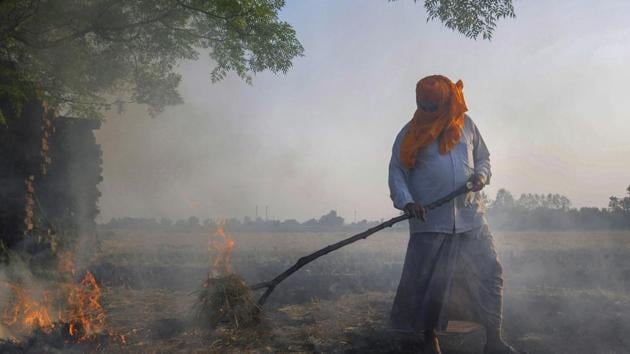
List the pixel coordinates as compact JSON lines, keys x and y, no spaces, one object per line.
{"x":565,"y":292}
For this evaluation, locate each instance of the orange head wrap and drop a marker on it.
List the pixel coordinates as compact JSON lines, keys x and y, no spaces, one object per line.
{"x":440,"y":113}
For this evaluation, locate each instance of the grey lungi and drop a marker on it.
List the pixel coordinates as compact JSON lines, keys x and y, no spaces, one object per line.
{"x":449,"y":277}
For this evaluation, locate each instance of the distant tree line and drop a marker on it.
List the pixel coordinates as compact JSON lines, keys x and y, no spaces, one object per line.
{"x":327,"y":222}
{"x":528,"y":212}
{"x":554,"y":212}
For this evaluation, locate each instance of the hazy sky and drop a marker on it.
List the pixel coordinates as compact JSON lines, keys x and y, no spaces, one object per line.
{"x":548,"y":93}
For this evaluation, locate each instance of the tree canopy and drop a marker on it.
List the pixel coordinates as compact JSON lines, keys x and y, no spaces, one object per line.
{"x":473,"y":18}
{"x":84,"y":56}
{"x":81,"y":54}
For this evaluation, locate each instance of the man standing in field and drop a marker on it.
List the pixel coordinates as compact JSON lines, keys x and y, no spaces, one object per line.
{"x":451,"y":264}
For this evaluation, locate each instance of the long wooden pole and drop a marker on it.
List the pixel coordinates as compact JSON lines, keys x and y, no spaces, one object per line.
{"x":271,"y":285}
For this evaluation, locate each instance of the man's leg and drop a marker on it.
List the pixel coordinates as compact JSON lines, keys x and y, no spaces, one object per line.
{"x":419,"y":301}
{"x":420,"y":284}
{"x":484,"y":277}
{"x":431,"y":343}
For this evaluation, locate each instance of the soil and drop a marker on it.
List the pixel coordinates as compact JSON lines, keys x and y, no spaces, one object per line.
{"x":564,"y":293}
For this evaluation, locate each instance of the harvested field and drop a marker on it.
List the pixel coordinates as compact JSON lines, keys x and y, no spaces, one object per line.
{"x":565,"y":292}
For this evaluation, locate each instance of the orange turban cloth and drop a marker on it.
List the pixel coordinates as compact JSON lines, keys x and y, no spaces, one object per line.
{"x":440,"y":113}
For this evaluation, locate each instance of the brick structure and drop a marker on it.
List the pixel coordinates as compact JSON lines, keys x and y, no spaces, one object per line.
{"x":49,"y":171}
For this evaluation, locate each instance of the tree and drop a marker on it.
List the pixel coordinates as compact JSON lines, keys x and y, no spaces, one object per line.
{"x":83,"y":57}
{"x":310,"y":223}
{"x":564,"y":202}
{"x":290,"y":224}
{"x":166,"y":223}
{"x":620,"y":204}
{"x":79,"y":55}
{"x":615,"y":204}
{"x":470,"y":17}
{"x":625,"y":202}
{"x":504,"y":200}
{"x":331,"y":219}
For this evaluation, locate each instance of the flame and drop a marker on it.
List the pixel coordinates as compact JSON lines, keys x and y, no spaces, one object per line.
{"x":27,"y":312}
{"x":220,"y":247}
{"x":82,"y":315}
{"x":86,"y":316}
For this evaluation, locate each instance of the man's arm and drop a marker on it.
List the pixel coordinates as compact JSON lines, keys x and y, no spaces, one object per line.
{"x":398,"y":188}
{"x":481,"y":156}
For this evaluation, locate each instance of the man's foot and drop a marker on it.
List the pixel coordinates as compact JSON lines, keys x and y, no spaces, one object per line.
{"x":500,"y":347}
{"x":431,"y":343}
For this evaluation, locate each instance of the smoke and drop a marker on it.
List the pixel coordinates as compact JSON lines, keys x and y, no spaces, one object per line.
{"x":319,"y":137}
{"x":17,"y":273}
{"x":221,"y":154}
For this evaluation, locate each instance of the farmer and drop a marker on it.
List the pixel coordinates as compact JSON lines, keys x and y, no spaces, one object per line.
{"x":451,"y":265}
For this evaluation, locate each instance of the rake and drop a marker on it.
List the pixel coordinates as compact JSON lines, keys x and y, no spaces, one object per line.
{"x":271,"y":285}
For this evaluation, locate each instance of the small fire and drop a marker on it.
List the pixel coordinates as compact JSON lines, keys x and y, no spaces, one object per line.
{"x":220,"y":247}
{"x":80,"y":315}
{"x":26,"y":312}
{"x":86,"y":316}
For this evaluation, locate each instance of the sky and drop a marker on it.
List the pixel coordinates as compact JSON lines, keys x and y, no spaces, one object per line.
{"x":548,"y":94}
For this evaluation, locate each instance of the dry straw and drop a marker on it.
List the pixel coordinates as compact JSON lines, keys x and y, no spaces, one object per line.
{"x":227,"y":301}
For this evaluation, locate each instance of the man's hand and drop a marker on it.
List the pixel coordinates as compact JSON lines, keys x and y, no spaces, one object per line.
{"x":479,"y":181}
{"x":416,"y":210}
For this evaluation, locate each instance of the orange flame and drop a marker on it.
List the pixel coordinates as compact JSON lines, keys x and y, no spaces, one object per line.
{"x":220,"y":247}
{"x":82,"y":313}
{"x":26,"y":312}
{"x":86,"y":315}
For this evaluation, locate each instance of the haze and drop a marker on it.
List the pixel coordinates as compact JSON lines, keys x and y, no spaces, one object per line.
{"x":548,"y":94}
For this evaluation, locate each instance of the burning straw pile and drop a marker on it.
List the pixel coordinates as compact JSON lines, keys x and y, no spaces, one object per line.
{"x":54,"y":313}
{"x":224,"y":298}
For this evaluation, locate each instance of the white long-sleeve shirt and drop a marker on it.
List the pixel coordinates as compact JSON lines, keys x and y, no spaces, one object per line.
{"x":435,"y":175}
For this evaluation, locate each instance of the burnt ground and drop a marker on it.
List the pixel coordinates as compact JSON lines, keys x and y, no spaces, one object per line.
{"x":564,"y":293}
